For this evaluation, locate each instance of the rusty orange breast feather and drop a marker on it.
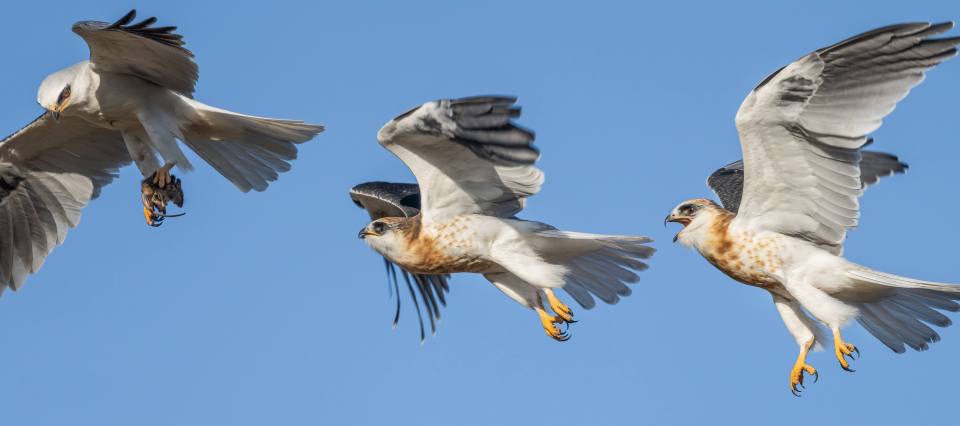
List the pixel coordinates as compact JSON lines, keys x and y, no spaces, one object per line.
{"x":741,"y":256}
{"x":442,"y":249}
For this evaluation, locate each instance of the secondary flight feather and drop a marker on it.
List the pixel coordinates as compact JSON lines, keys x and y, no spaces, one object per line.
{"x":475,"y":170}
{"x":130,"y":102}
{"x":791,"y":201}
{"x":139,"y":83}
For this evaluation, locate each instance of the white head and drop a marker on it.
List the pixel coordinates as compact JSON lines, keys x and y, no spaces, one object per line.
{"x":56,"y":92}
{"x":696,"y":216}
{"x":387,"y":236}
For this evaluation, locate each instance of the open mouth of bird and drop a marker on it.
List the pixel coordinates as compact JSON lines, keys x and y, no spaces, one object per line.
{"x":155,"y":199}
{"x":681,"y":220}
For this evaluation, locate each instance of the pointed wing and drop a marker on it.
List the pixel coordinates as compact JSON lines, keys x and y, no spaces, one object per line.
{"x":467,"y":155}
{"x":155,"y":54}
{"x":385,"y":199}
{"x":727,"y":181}
{"x":802,"y":129}
{"x":49,"y":171}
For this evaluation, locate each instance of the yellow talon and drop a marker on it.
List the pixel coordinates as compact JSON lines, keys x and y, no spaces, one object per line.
{"x":843,"y":349}
{"x":149,"y":215}
{"x":801,"y":366}
{"x":549,"y":323}
{"x":561,"y":309}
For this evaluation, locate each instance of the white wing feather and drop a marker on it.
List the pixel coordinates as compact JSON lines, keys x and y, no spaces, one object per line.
{"x":467,"y":156}
{"x":801,"y":130}
{"x":49,"y":171}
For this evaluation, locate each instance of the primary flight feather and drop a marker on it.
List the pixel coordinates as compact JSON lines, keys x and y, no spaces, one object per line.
{"x":475,"y":170}
{"x":139,"y":83}
{"x":787,"y":213}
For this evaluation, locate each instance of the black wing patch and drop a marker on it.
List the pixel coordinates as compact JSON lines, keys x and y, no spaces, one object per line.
{"x":727,"y":181}
{"x":386,"y":199}
{"x":163,"y":35}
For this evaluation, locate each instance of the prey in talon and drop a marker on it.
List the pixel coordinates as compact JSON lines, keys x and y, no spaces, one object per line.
{"x":136,"y":94}
{"x":158,"y":190}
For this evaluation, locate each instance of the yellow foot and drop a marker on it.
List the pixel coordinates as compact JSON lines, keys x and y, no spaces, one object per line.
{"x":800,"y":367}
{"x":549,"y":323}
{"x":561,"y":309}
{"x":149,"y":215}
{"x":843,"y":349}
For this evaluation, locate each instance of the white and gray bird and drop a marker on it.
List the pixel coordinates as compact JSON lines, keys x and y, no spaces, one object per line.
{"x":475,"y":170}
{"x":138,"y":84}
{"x":802,"y":131}
{"x":131,"y":100}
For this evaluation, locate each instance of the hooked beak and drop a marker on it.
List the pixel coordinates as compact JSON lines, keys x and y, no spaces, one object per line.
{"x":681,"y":220}
{"x":363,"y":233}
{"x":671,"y":218}
{"x":55,"y":115}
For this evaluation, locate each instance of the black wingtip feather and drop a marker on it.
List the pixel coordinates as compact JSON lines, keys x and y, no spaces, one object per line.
{"x":124,"y":20}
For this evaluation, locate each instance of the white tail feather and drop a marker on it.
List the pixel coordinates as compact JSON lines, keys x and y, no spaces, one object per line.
{"x":899,"y":319}
{"x":596,"y":265}
{"x":249,"y":151}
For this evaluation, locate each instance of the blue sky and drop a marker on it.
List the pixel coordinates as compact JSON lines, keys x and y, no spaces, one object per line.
{"x":264,"y":308}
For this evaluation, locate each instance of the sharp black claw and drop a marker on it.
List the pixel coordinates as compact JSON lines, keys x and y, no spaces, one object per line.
{"x":795,"y":392}
{"x":816,"y":376}
{"x":857,"y":351}
{"x":848,"y":369}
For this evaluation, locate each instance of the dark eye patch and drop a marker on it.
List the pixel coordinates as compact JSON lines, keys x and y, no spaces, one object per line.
{"x":379,"y":227}
{"x":689,"y":209}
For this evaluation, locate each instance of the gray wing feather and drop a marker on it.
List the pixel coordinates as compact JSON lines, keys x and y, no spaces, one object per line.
{"x":803,"y":128}
{"x":155,"y":54}
{"x":387,"y":199}
{"x":467,"y":155}
{"x":727,"y":181}
{"x":49,"y":171}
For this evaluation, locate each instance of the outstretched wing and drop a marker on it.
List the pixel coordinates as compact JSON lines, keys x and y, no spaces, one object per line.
{"x":802,"y":129}
{"x":467,"y":156}
{"x":155,"y":54}
{"x":727,"y":181}
{"x":385,"y":199}
{"x":49,"y":171}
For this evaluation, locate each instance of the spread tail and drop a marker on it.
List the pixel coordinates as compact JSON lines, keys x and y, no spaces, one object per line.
{"x":901,"y":316}
{"x":249,"y":151}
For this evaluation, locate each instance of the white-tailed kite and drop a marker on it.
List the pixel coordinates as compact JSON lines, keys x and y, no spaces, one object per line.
{"x":385,"y":199}
{"x":475,"y":170}
{"x":802,"y":130}
{"x":137,"y":89}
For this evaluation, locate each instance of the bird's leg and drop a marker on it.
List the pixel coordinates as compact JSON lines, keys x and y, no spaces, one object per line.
{"x":561,"y":309}
{"x":843,"y":349}
{"x":549,"y":323}
{"x":801,"y":366}
{"x":162,"y":176}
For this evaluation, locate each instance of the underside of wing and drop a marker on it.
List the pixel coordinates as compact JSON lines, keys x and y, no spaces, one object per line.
{"x":155,"y":54}
{"x":727,"y":181}
{"x":386,"y":199}
{"x":49,"y":171}
{"x":802,"y":129}
{"x":467,"y":155}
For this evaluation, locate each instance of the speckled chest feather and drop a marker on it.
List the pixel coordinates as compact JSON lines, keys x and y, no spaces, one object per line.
{"x":443,"y":248}
{"x":742,"y":256}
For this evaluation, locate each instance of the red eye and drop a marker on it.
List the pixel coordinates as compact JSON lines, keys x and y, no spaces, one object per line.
{"x":63,"y":95}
